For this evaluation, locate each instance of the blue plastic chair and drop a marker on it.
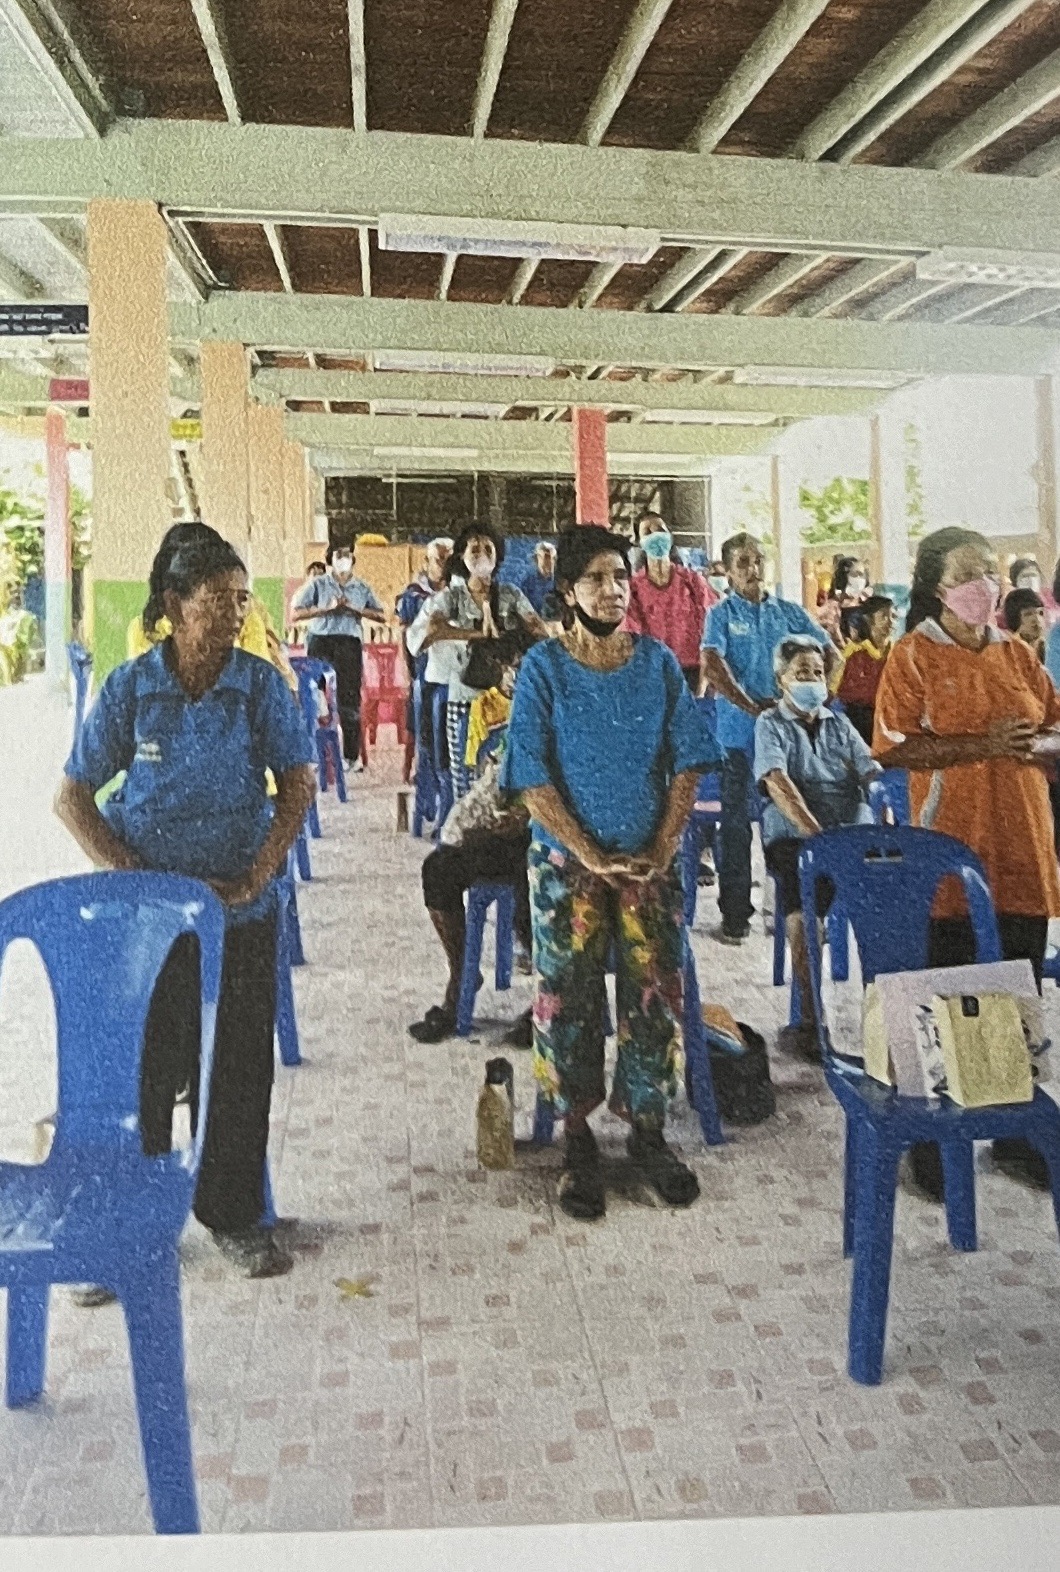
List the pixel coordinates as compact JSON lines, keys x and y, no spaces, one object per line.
{"x":430,"y":797}
{"x":310,"y":674}
{"x":886,"y":879}
{"x":889,"y":793}
{"x":289,"y":952}
{"x":81,"y":667}
{"x":97,"y":1210}
{"x":699,"y":1080}
{"x":480,"y":897}
{"x":301,"y":852}
{"x":700,"y":831}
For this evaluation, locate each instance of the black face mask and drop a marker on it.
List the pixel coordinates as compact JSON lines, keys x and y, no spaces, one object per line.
{"x":593,"y":625}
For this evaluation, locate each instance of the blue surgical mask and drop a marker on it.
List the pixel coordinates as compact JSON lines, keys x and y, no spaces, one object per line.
{"x":657,"y":546}
{"x":809,"y":697}
{"x":718,"y":584}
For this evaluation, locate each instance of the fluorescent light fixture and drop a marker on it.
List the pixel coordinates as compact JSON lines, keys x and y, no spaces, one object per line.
{"x":515,"y":238}
{"x":428,"y":452}
{"x":707,"y":417}
{"x":410,"y":406}
{"x":476,"y":365}
{"x":1024,"y":269}
{"x":811,"y":377}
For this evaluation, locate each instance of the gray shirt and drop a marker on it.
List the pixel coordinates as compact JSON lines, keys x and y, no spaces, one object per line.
{"x":459,"y":608}
{"x":828,"y":762}
{"x":325,"y":590}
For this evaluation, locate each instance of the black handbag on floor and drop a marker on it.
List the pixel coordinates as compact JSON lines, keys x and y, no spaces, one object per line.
{"x":742,"y":1087}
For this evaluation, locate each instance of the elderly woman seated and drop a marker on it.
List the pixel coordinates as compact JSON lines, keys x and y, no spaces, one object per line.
{"x":813,"y":768}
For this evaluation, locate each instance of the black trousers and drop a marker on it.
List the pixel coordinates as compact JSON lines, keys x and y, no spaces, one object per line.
{"x":952,"y":942}
{"x":344,"y":653}
{"x":432,"y":738}
{"x":230,"y":1193}
{"x":734,"y":863}
{"x":488,"y":859}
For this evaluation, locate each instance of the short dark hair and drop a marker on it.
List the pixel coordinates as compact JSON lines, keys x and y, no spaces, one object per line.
{"x":184,"y":533}
{"x":1018,"y":601}
{"x":737,"y":543}
{"x":857,"y":618}
{"x":1021,"y":565}
{"x":842,"y":574}
{"x":340,"y":548}
{"x":649,"y":516}
{"x":790,"y":648}
{"x":196,"y":559}
{"x":578,"y":546}
{"x":316,"y":563}
{"x":931,"y":554}
{"x":481,"y":531}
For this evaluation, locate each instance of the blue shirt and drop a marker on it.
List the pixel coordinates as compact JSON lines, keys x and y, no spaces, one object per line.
{"x":325,"y":590}
{"x":610,"y":742}
{"x":829,"y":763}
{"x":537,"y":587}
{"x":409,"y":604}
{"x":1052,"y":655}
{"x":746,"y":635}
{"x":193,"y":800}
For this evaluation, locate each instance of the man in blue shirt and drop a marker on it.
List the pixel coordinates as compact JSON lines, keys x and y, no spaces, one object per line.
{"x":335,"y":605}
{"x":540,"y":582}
{"x":741,"y":634}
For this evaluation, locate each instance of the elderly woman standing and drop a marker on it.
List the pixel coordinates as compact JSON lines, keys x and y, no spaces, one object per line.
{"x":961,"y":706}
{"x":606,"y":745}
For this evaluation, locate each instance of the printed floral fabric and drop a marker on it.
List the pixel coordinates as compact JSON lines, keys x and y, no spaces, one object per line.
{"x":580,"y":923}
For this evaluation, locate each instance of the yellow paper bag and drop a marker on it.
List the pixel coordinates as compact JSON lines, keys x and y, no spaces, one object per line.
{"x":984,"y":1049}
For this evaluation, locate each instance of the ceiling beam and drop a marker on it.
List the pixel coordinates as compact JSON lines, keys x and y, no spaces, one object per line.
{"x":784,"y":276}
{"x":350,"y":326}
{"x":502,"y":16}
{"x":508,"y":437}
{"x":212,"y":32}
{"x":1045,"y":160}
{"x":928,"y":50}
{"x":430,"y":387}
{"x":48,"y":34}
{"x":1032,"y":91}
{"x":789,"y":23}
{"x":258,"y":172}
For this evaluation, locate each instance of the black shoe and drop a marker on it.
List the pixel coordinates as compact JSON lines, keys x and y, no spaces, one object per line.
{"x":522,"y":1033}
{"x":1021,"y":1161}
{"x":254,"y":1252}
{"x":90,"y":1296}
{"x":438,"y":1024}
{"x":581,"y":1189}
{"x":731,"y":933}
{"x":706,"y":876}
{"x":672,"y":1179}
{"x":925,"y":1170}
{"x":799,"y":1042}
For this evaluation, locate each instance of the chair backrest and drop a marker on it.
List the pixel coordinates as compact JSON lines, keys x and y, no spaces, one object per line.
{"x":488,"y":747}
{"x":311,"y":673}
{"x":886,"y":879}
{"x":81,"y":666}
{"x":380,"y":670}
{"x":103,"y":938}
{"x":889,"y":793}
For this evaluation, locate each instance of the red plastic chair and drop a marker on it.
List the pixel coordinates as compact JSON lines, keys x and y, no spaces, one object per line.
{"x":384,"y":696}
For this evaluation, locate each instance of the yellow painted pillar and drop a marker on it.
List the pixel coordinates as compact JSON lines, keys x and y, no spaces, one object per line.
{"x":1045,"y":475}
{"x":266,"y":487}
{"x":226,"y":443}
{"x":296,"y":510}
{"x":128,"y":351}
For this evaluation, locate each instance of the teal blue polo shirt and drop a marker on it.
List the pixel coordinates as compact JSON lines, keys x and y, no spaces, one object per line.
{"x":194,"y":797}
{"x":746,"y":636}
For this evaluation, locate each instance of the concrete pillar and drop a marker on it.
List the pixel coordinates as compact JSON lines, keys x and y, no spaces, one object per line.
{"x":592,"y":502}
{"x":226,"y":443}
{"x":296,"y":512}
{"x":267,"y":506}
{"x":787,"y":530}
{"x":56,"y":549}
{"x":888,"y":505}
{"x":129,"y":378}
{"x":1045,"y":475}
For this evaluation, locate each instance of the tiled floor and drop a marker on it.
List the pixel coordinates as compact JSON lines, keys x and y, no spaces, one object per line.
{"x":510,"y":1366}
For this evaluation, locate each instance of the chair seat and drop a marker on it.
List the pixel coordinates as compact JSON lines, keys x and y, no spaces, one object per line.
{"x":911,"y":1119}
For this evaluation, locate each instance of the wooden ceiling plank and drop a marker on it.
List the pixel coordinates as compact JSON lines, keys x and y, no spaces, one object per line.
{"x":789,"y":24}
{"x":1032,"y":91}
{"x":791,"y":271}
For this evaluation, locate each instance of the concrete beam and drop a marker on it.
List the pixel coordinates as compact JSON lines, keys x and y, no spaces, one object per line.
{"x":788,"y":24}
{"x":591,"y":338}
{"x":357,"y":387}
{"x":259,"y":172}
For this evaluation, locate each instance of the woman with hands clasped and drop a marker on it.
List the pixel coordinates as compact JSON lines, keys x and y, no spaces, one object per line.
{"x":606,"y":746}
{"x":195,"y":725}
{"x":971,"y":713}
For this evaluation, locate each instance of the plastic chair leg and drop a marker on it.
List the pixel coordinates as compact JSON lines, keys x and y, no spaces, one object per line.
{"x":473,"y":934}
{"x":340,"y":772}
{"x":505,"y":941}
{"x":958,"y":1175}
{"x":301,"y":852}
{"x":780,"y":941}
{"x":151,"y":1303}
{"x":294,"y":928}
{"x":314,"y":821}
{"x":839,"y":947}
{"x":286,"y":1020}
{"x":268,"y":1216}
{"x":544,"y":1122}
{"x":876,"y":1183}
{"x":27,"y":1344}
{"x":850,"y":1187}
{"x":322,"y":763}
{"x":697,"y":1056}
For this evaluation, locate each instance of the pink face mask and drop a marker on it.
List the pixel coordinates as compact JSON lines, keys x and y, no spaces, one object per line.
{"x":974,"y":603}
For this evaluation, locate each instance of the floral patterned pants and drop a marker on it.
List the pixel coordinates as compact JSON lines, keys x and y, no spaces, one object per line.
{"x":580,"y":923}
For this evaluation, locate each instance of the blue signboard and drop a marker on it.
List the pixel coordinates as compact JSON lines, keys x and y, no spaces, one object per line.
{"x":30,"y":319}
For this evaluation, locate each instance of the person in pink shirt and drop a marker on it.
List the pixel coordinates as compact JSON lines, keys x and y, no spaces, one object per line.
{"x":667,"y":601}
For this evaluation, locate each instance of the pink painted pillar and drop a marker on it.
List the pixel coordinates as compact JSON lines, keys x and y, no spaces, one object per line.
{"x":591,"y":499}
{"x":56,"y":548}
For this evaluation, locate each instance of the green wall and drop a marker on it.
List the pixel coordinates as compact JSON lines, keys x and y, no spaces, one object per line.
{"x":115,"y":602}
{"x":270,"y":593}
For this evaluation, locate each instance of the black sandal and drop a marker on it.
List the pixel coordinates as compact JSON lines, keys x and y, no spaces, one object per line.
{"x":438,"y":1024}
{"x":581,"y":1189}
{"x":668,"y":1176}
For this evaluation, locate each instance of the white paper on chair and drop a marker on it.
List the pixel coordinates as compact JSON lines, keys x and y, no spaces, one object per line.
{"x":900,"y":1048}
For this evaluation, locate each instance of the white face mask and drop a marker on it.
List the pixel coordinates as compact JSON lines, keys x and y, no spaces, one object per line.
{"x":1029,"y":581}
{"x":855,"y":585}
{"x":480,"y":566}
{"x":342,"y":564}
